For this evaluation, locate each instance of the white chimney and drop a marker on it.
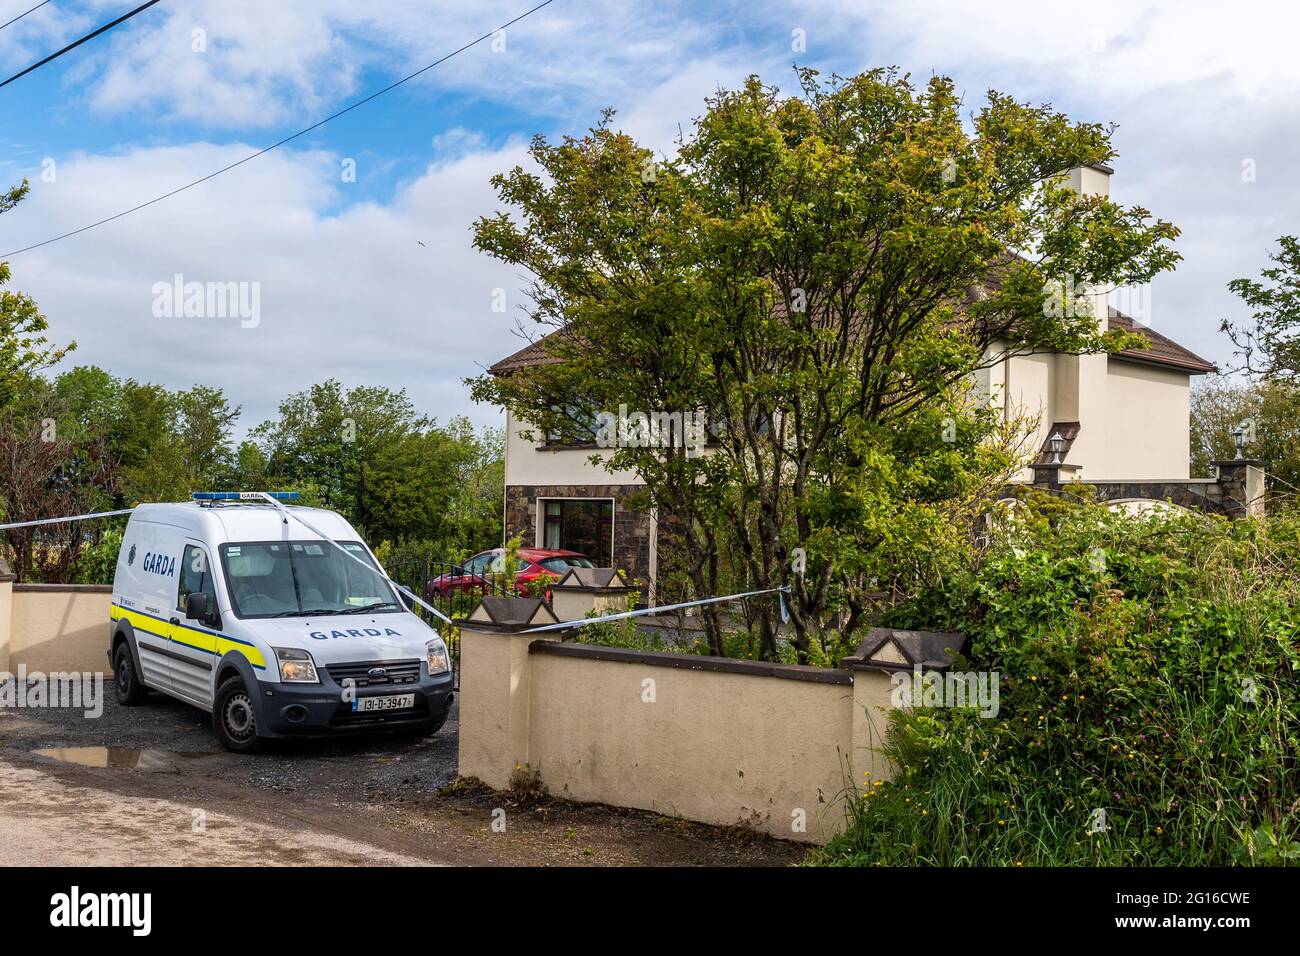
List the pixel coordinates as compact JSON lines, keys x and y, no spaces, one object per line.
{"x":1079,"y":381}
{"x":1091,"y":180}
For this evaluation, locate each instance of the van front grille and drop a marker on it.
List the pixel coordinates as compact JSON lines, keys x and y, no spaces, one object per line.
{"x":395,"y":672}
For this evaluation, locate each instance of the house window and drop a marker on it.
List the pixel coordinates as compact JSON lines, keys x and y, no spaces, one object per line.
{"x":578,"y":430}
{"x":585,"y":525}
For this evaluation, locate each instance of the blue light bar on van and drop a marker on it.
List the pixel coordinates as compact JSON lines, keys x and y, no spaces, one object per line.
{"x":242,"y":495}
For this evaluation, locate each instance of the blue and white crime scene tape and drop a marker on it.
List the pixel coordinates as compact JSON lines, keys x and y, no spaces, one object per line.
{"x":32,"y":524}
{"x":275,"y":499}
{"x":662,"y":609}
{"x":287,"y":514}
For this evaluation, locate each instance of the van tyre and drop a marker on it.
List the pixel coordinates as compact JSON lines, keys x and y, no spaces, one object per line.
{"x":129,"y":688}
{"x":234,"y":719}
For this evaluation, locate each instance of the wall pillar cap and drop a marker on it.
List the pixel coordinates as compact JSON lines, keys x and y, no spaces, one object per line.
{"x":887,"y":648}
{"x":510,"y":615}
{"x":5,"y":573}
{"x":602,"y":580}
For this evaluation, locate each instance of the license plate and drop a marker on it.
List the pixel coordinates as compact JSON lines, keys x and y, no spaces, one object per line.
{"x":391,"y":702}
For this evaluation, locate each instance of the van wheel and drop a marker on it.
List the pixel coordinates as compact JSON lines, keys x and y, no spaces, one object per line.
{"x":126,"y":682}
{"x":234,"y":720}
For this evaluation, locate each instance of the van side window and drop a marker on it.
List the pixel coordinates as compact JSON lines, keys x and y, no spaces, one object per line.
{"x":196,"y":575}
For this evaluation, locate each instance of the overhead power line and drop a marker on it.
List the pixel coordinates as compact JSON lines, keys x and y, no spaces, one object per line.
{"x":287,"y":139}
{"x":76,"y":43}
{"x":24,"y":13}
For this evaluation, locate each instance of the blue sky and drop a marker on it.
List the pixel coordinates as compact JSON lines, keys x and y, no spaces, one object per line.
{"x":346,"y":289}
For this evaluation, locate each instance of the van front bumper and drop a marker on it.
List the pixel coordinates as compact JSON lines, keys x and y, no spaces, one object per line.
{"x":295,"y":710}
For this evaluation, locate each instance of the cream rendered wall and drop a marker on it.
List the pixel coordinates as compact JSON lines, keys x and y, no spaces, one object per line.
{"x":527,"y":465}
{"x":6,"y":614}
{"x":1028,"y":394}
{"x":1147,"y":424}
{"x":761,"y":750}
{"x":721,"y":748}
{"x":1083,"y":382}
{"x":57,"y":627}
{"x":1091,"y":448}
{"x":1134,"y":418}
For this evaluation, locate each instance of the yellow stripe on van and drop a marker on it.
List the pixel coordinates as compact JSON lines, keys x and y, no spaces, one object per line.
{"x":218,"y":645}
{"x":145,"y":622}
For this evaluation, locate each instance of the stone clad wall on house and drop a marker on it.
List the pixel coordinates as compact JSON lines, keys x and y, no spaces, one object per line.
{"x":633,"y":530}
{"x":1236,"y":490}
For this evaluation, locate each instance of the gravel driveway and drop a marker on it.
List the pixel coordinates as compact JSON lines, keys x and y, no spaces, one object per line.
{"x":380,"y":799}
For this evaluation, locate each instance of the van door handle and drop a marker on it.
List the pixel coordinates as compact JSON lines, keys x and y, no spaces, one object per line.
{"x":175,"y":620}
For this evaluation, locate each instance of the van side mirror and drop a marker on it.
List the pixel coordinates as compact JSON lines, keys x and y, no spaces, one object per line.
{"x":196,"y":605}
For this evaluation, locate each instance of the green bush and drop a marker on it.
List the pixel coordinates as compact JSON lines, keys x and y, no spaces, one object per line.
{"x":98,"y":562}
{"x":410,"y":554}
{"x":1148,"y":710}
{"x":740,"y":644}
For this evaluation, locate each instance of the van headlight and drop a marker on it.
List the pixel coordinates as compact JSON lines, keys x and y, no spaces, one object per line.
{"x":436,"y":653}
{"x":296,"y":666}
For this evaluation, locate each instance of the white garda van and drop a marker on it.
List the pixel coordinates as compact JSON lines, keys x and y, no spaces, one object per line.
{"x":233,"y":605}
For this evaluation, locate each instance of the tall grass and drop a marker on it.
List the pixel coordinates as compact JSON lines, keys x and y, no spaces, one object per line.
{"x":1150,"y":710}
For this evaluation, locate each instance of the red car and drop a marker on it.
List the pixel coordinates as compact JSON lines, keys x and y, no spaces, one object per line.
{"x":479,"y":572}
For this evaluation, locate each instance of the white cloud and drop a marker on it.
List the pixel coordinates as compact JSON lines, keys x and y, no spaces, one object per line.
{"x":1195,"y":89}
{"x":268,"y":64}
{"x":1111,"y":47}
{"x":39,"y":33}
{"x":223,"y":63}
{"x":351,"y":295}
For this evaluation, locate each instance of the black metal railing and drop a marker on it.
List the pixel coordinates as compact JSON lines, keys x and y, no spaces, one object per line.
{"x":450,"y":588}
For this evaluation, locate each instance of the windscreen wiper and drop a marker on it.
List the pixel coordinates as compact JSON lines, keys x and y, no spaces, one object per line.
{"x":312,"y":613}
{"x":366,"y":607}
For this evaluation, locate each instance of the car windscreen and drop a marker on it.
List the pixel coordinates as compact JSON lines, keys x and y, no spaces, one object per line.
{"x":562,"y":564}
{"x":301,"y":578}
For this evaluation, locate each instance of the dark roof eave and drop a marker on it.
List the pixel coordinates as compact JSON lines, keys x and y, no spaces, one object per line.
{"x":1199,"y":367}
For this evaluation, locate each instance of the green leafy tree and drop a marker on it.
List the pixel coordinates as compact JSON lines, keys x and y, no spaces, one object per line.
{"x":139,"y":434}
{"x":203,"y":422}
{"x":87,"y":401}
{"x":167,"y":443}
{"x":99,"y":561}
{"x":250,"y":468}
{"x":404,"y":490}
{"x":88,"y":440}
{"x":818,"y":275}
{"x":368,"y":453}
{"x":324,"y":434}
{"x":1268,"y":410}
{"x":475,"y":508}
{"x":47,"y":475}
{"x":24,"y":350}
{"x":1269,"y":344}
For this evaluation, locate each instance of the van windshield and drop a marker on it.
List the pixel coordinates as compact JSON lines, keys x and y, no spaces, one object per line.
{"x":301,"y":578}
